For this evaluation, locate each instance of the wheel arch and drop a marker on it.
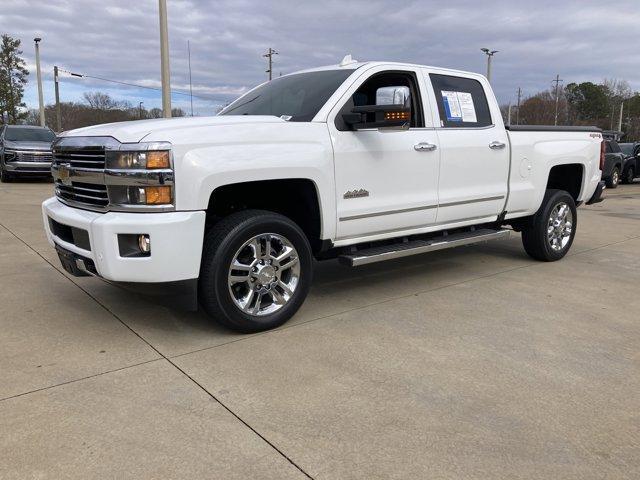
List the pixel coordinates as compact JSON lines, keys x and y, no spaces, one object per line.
{"x":296,"y":198}
{"x":569,"y":177}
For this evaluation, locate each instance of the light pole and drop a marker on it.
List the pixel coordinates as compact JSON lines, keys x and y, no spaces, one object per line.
{"x":164,"y":60}
{"x":140,"y":109}
{"x":57,"y":90}
{"x":490,"y":54}
{"x":39,"y":75}
{"x":190,"y":84}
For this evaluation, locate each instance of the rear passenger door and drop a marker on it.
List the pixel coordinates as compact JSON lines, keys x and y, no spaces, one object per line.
{"x":474,"y":150}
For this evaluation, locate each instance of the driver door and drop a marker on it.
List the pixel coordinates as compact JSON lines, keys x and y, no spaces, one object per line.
{"x":386,"y":178}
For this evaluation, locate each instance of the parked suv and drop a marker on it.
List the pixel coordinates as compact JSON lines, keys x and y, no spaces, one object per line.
{"x":631,"y":168}
{"x":614,"y":162}
{"x":25,"y":151}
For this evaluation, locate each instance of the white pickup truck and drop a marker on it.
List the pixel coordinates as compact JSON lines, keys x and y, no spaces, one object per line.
{"x":359,"y":161}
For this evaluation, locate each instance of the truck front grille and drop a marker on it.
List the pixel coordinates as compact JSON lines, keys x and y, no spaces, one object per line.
{"x":86,"y":193}
{"x":34,"y":157}
{"x":82,"y":158}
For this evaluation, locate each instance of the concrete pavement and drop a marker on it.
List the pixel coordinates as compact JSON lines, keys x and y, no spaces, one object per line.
{"x":472,"y":363}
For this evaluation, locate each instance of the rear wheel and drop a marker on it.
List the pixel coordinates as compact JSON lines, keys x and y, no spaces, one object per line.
{"x":614,"y":179}
{"x":552,"y":229}
{"x":256,"y":270}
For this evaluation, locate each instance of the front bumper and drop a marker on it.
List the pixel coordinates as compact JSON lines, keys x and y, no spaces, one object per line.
{"x":33,"y":168}
{"x":176,"y":241}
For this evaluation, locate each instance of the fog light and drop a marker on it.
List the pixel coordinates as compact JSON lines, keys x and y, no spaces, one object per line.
{"x":144,"y":243}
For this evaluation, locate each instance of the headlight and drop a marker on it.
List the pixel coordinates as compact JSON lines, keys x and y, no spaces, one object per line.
{"x":10,"y":155}
{"x":144,"y":159}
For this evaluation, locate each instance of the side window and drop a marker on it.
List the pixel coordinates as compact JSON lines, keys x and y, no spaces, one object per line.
{"x":386,"y":88}
{"x":461,"y":101}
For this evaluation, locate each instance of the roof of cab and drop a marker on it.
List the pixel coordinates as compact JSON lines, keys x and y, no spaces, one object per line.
{"x":354,"y":65}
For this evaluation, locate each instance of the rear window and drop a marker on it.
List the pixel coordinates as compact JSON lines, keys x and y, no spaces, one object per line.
{"x":18,"y":134}
{"x":461,"y":102}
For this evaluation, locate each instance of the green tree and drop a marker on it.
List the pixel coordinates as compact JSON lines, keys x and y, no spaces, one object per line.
{"x":587,"y":101}
{"x":13,"y":77}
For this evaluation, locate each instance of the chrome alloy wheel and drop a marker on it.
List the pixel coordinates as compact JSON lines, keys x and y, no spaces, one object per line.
{"x":264,"y":274}
{"x":559,"y":227}
{"x":615,"y":177}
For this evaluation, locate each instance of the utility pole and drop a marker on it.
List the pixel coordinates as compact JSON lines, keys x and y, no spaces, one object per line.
{"x":57,"y":89}
{"x":190,"y":85}
{"x":613,"y":111}
{"x":620,"y":117}
{"x":270,"y":53}
{"x":140,"y":109}
{"x":39,"y":75}
{"x":557,"y":82}
{"x":509,"y":115}
{"x":490,"y":54}
{"x":164,"y":60}
{"x":518,"y":108}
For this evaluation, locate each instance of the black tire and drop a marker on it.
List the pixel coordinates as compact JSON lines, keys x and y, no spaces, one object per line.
{"x":629,"y":175}
{"x":535,"y":236}
{"x":5,"y":177}
{"x":221,"y":244}
{"x":614,"y":178}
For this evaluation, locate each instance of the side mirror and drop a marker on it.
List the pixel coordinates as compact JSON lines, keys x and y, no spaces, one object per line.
{"x":378,"y":116}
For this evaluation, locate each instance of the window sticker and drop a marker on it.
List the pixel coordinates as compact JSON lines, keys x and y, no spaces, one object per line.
{"x":452,"y":106}
{"x":459,"y":107}
{"x":467,"y":107}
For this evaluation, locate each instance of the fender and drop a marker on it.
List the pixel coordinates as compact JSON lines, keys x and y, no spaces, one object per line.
{"x":209,"y":157}
{"x":534,"y":154}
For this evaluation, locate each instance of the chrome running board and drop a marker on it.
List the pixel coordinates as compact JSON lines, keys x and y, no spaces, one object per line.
{"x":415,"y":247}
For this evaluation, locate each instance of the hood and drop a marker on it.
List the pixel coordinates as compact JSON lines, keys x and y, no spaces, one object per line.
{"x":133,"y":132}
{"x":39,"y":146}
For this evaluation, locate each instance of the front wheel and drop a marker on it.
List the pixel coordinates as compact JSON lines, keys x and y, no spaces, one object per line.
{"x":5,"y":177}
{"x":629,"y":175}
{"x":552,"y":229}
{"x":256,"y":270}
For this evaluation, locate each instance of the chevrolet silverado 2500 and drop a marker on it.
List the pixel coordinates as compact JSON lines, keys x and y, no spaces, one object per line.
{"x":359,"y":161}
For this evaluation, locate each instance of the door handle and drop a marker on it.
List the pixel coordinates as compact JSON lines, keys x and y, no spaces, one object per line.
{"x":497,"y":145}
{"x":425,"y":147}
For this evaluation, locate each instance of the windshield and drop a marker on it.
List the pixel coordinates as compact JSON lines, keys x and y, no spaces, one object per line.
{"x":17,"y":134}
{"x":298,"y":96}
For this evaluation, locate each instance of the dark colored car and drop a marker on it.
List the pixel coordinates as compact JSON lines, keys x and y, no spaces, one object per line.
{"x":614,"y":161}
{"x":631,"y":168}
{"x":25,"y":151}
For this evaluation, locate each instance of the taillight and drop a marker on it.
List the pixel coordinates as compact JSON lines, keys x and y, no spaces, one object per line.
{"x":602,"y":156}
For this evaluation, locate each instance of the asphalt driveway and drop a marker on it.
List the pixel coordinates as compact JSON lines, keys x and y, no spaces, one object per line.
{"x":473,"y":363}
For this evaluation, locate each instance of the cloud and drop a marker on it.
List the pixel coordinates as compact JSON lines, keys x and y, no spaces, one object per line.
{"x":118,"y":39}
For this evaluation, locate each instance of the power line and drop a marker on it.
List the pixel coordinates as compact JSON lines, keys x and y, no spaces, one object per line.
{"x":177,"y":92}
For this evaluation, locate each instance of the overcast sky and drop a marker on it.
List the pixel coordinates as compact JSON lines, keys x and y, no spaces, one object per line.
{"x":118,"y":39}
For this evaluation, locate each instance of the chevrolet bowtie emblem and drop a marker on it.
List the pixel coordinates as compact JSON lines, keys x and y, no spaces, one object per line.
{"x":64,"y":173}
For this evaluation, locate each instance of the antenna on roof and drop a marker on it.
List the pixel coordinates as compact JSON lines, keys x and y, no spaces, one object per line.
{"x":347,"y":60}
